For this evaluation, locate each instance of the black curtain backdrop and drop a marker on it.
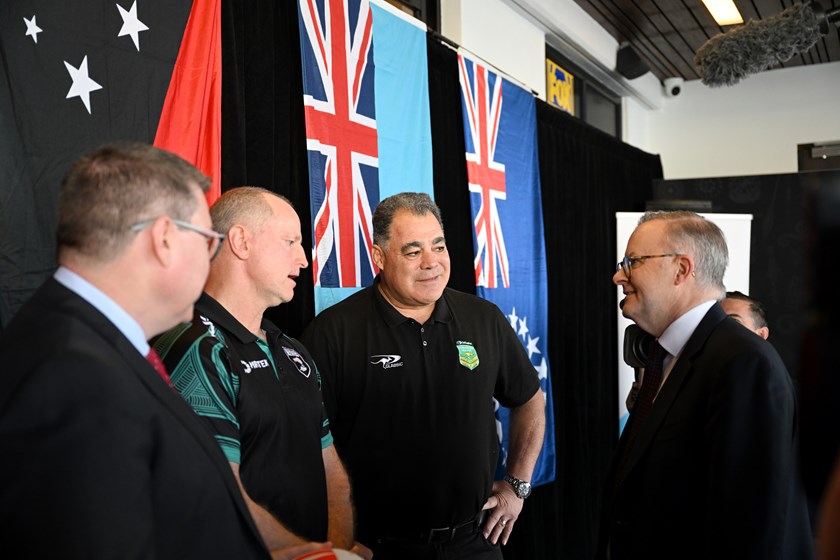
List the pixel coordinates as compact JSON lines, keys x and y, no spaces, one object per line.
{"x":586,"y":177}
{"x":793,"y":272}
{"x":263,"y":128}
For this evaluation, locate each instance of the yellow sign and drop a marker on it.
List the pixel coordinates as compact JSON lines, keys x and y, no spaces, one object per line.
{"x":560,"y":87}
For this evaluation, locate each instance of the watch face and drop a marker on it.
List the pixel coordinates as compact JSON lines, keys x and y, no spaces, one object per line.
{"x":521,"y":488}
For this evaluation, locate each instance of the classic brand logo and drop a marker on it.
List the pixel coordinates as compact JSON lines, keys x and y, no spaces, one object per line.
{"x":254,"y":364}
{"x":211,"y":328}
{"x":298,"y":360}
{"x":467,"y":354}
{"x":387,"y":360}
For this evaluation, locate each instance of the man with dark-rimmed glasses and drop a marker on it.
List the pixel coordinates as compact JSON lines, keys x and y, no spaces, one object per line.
{"x":707,"y":464}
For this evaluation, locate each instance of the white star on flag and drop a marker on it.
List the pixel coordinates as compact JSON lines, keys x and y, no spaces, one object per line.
{"x":542,"y":369}
{"x":513,"y":318}
{"x":531,"y":347}
{"x":523,"y":327}
{"x":131,"y":25}
{"x":82,"y":84}
{"x":32,"y":28}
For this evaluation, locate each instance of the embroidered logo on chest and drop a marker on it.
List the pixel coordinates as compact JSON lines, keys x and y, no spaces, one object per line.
{"x":467,"y":355}
{"x":253,"y":364}
{"x":387,"y":361}
{"x":298,"y":360}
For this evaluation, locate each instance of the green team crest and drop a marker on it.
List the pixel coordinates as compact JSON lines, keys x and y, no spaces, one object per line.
{"x":467,"y":355}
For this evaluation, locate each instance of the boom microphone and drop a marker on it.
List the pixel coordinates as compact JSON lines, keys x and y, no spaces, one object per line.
{"x":727,"y":58}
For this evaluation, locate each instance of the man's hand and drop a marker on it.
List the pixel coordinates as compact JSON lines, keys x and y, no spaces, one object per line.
{"x":362,"y":550}
{"x":292,"y":552}
{"x":506,"y":508}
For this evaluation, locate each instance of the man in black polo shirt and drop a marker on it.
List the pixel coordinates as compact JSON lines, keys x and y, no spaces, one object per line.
{"x":257,"y":388}
{"x":410,"y":369}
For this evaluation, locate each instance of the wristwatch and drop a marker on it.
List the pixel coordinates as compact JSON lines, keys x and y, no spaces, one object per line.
{"x":521,"y":488}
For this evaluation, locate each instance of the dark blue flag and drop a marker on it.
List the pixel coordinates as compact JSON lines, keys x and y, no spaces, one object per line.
{"x":510,"y":268}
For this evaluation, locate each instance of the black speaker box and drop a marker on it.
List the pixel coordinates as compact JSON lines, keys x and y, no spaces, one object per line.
{"x":628,"y":63}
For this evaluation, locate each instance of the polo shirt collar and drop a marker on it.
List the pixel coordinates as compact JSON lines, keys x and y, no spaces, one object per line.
{"x":392,"y":317}
{"x":228,"y":322}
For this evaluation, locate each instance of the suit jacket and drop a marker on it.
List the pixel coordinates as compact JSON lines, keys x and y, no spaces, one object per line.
{"x":100,"y":458}
{"x":713,"y":472}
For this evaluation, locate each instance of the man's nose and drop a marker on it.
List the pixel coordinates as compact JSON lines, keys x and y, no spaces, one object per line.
{"x":428,"y":259}
{"x":301,"y":258}
{"x":619,"y":277}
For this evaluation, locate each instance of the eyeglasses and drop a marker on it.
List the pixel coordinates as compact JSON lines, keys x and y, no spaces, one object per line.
{"x":214,"y":238}
{"x":628,"y":263}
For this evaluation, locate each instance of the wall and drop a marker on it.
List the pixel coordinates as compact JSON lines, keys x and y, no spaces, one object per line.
{"x":498,"y":35}
{"x":751,"y":128}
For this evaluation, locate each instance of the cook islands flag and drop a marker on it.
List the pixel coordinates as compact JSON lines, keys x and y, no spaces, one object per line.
{"x":504,"y":183}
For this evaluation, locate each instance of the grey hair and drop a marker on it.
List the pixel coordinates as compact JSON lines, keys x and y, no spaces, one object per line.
{"x":691,"y":233}
{"x":418,"y":204}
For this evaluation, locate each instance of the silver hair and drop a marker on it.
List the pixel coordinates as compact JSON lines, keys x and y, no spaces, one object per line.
{"x":691,"y":233}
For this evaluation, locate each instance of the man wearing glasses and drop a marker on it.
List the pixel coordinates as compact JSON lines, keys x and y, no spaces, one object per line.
{"x":258,"y":389}
{"x":101,"y":458}
{"x":707,"y":464}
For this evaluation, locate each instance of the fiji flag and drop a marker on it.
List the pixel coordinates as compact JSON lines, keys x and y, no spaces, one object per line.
{"x":510,"y":266}
{"x":365,"y":84}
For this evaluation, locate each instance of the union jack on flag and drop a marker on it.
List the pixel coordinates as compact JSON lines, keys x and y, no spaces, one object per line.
{"x":482,"y":96}
{"x":337,"y":56}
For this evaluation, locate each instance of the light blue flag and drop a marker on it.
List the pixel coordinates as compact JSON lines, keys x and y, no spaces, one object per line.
{"x":366,"y":99}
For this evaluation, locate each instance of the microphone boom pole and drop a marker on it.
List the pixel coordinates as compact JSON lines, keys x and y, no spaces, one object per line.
{"x":727,"y":58}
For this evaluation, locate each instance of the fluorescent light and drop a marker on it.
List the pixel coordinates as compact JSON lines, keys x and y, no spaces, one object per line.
{"x":724,"y":11}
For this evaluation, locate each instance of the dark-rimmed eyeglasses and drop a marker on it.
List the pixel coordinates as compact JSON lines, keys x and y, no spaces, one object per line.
{"x":214,"y":238}
{"x":628,"y":263}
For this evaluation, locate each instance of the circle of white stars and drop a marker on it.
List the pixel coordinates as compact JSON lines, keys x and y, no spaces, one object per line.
{"x":520,"y":326}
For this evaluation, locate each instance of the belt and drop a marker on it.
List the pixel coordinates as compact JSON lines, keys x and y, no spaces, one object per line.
{"x":440,"y":535}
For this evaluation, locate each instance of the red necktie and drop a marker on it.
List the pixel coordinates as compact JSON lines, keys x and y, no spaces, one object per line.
{"x":157,"y":363}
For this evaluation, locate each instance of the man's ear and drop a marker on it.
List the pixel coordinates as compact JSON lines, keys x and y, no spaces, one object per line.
{"x":378,"y":256}
{"x":162,"y":232}
{"x":685,"y":268}
{"x":238,"y":240}
{"x":763,"y":332}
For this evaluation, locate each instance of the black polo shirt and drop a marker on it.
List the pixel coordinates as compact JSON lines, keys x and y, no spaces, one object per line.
{"x":411,"y":406}
{"x":262,"y":401}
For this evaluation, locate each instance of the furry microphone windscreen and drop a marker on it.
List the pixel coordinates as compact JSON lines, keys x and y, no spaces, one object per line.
{"x":727,"y":58}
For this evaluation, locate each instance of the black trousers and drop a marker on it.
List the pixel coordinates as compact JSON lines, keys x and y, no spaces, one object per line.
{"x":469,"y":546}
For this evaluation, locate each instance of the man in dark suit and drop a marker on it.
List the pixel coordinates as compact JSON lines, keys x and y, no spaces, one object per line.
{"x":707,"y":464}
{"x":101,"y":458}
